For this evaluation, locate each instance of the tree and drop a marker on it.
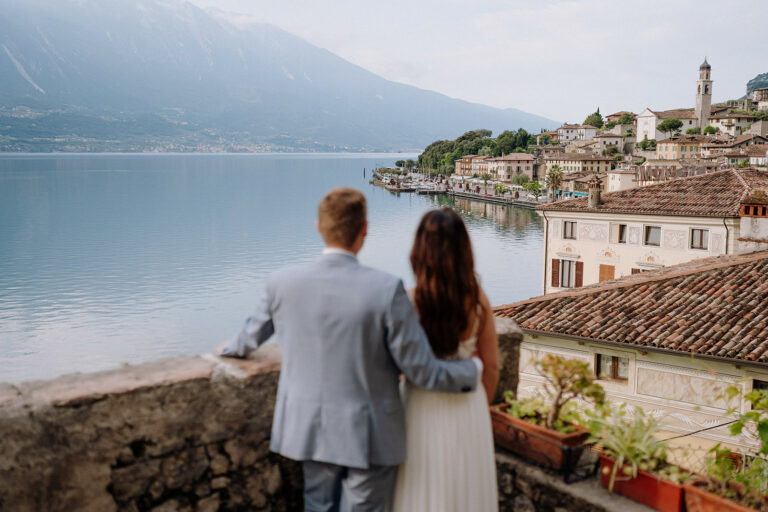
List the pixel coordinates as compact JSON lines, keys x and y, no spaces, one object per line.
{"x":410,"y":164}
{"x":646,"y":144}
{"x":709,"y":130}
{"x":670,"y":126}
{"x":693,"y":131}
{"x":610,"y":124}
{"x":554,"y":179}
{"x":610,"y":150}
{"x":535,"y":188}
{"x":595,"y":120}
{"x":520,"y":179}
{"x":485,"y":177}
{"x":618,"y":158}
{"x":626,"y":118}
{"x":400,"y":163}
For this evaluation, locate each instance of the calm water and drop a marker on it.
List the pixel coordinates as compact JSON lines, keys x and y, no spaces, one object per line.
{"x":118,"y":259}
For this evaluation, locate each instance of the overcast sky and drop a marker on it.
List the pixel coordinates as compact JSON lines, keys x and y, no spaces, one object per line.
{"x":557,"y":58}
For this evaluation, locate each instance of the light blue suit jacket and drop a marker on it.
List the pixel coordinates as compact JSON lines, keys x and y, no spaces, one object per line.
{"x":346,"y":332}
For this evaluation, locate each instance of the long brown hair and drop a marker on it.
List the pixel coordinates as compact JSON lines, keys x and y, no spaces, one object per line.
{"x":446,"y":285}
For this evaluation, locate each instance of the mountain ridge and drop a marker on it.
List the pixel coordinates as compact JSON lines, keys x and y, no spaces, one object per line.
{"x":171,"y":76}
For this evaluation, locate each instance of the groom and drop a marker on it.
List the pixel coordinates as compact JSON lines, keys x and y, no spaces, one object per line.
{"x":346,"y":332}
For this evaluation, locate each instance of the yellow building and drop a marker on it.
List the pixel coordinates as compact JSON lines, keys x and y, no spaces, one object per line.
{"x":578,"y":162}
{"x":680,"y":146}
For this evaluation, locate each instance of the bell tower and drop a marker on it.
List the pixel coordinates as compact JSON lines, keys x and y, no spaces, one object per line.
{"x":704,"y":95}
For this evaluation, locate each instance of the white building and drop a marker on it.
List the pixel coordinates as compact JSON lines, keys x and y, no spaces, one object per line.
{"x":621,"y":179}
{"x":646,"y":228}
{"x":668,"y":341}
{"x":648,"y":120}
{"x":569,"y":132}
{"x":730,"y":123}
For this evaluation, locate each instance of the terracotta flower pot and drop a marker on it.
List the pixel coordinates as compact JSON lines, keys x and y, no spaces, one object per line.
{"x":547,"y":447}
{"x":649,"y":489}
{"x":697,"y":499}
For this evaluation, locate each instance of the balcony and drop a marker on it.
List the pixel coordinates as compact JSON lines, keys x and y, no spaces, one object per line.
{"x":192,"y":434}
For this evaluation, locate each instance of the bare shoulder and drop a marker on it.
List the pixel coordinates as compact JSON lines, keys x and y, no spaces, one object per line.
{"x":411,"y":293}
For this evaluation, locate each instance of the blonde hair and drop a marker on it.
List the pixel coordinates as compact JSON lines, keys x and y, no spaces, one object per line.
{"x":341,"y":216}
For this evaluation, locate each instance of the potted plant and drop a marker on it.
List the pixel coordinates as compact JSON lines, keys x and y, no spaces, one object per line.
{"x":736,"y":484}
{"x":633,"y":461}
{"x":546,"y":429}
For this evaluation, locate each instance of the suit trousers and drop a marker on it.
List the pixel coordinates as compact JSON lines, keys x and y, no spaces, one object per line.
{"x":332,"y":488}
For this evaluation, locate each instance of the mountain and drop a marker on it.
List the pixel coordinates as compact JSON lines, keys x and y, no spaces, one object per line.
{"x":758,"y":82}
{"x":159,"y":74}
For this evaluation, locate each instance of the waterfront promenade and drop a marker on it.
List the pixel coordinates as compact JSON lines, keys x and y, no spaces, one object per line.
{"x":450,"y":186}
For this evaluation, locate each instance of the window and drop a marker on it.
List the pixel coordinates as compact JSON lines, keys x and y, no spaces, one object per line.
{"x":699,"y":238}
{"x":612,"y":367}
{"x":759,"y":385}
{"x":652,"y":235}
{"x":618,"y":233}
{"x":569,"y":230}
{"x":567,"y":274}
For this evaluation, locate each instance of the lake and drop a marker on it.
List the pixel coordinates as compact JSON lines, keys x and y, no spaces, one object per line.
{"x":121,"y":259}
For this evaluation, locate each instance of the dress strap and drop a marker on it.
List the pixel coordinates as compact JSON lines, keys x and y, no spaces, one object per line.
{"x":478,"y":314}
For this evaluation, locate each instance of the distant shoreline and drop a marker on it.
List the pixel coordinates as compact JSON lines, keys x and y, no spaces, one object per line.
{"x":209,"y":153}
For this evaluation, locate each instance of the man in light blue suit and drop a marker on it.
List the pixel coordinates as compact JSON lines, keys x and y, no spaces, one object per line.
{"x":346,"y":332}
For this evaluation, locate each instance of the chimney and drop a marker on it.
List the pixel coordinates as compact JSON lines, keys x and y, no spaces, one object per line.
{"x":754,"y":218}
{"x":595,"y":187}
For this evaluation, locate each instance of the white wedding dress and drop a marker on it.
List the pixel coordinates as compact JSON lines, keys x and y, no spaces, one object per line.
{"x":449,"y":465}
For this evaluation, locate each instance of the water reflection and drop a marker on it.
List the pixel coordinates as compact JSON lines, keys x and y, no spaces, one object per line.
{"x":126,"y":258}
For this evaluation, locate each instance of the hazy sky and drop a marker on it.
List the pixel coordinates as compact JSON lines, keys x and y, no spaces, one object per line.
{"x":557,"y":58}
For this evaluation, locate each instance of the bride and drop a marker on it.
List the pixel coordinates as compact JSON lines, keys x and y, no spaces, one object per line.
{"x":449,"y":463}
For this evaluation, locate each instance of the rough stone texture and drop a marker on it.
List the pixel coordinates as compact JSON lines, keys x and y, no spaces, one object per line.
{"x":524,"y":488}
{"x":183,"y":434}
{"x":189,"y":433}
{"x":510,"y":337}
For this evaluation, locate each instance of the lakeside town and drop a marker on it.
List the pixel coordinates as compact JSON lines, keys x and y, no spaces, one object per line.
{"x":655,"y":256}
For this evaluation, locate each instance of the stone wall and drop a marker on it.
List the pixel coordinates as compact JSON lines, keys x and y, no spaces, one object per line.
{"x":188,"y":433}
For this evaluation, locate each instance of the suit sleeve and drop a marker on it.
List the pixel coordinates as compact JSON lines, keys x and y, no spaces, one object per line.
{"x":257,"y":330}
{"x":410,"y":349}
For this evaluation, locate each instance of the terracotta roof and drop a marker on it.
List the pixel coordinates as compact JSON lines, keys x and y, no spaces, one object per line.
{"x":514,"y":157}
{"x":576,"y":156}
{"x":715,"y":194}
{"x":753,"y":150}
{"x":567,"y":126}
{"x":685,"y":139}
{"x":727,"y":115}
{"x":735,"y":141}
{"x":709,"y":307}
{"x":677,"y":113}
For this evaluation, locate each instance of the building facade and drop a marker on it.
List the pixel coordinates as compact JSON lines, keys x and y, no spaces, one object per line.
{"x":646,"y":228}
{"x":733,"y":124}
{"x":578,"y":162}
{"x":680,"y":146}
{"x":504,"y":168}
{"x":669,"y":341}
{"x":569,"y":132}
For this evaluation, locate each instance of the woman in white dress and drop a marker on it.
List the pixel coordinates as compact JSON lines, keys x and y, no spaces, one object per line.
{"x":449,"y":463}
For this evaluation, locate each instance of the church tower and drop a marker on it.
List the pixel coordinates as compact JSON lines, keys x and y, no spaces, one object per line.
{"x":704,"y":95}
